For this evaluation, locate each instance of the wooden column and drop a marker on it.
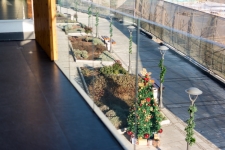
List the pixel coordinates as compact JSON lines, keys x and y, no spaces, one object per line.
{"x":45,"y":26}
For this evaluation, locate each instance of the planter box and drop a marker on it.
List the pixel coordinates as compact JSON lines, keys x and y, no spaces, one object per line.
{"x":91,"y":61}
{"x":77,"y":34}
{"x":62,"y":24}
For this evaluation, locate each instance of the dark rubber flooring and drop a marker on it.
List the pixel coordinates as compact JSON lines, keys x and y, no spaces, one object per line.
{"x":40,"y":109}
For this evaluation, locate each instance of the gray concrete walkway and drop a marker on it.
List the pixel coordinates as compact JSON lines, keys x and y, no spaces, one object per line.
{"x":180,"y":75}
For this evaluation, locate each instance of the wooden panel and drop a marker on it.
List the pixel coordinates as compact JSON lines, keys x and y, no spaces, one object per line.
{"x":45,"y":23}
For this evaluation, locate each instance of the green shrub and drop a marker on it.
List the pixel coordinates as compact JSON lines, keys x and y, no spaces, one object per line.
{"x":68,"y":27}
{"x":97,"y":41}
{"x":87,"y":39}
{"x":65,"y":21}
{"x":121,"y":113}
{"x":60,"y":15}
{"x":110,"y":113}
{"x":104,"y":108}
{"x":116,"y":121}
{"x":87,"y":71}
{"x":82,"y":25}
{"x":116,"y":68}
{"x":81,"y":53}
{"x":84,"y":54}
{"x":88,"y":29}
{"x":106,"y":70}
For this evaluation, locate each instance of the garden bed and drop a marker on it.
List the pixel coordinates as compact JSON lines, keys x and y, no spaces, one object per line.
{"x":113,"y":94}
{"x":64,"y":18}
{"x":69,"y":28}
{"x":89,"y":48}
{"x":113,"y":91}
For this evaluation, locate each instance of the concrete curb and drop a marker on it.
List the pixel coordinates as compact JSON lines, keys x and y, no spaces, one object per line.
{"x":83,"y":81}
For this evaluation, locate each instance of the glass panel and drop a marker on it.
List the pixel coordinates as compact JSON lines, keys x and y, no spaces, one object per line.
{"x":15,"y":9}
{"x":113,"y":60}
{"x":16,"y":20}
{"x":64,"y":23}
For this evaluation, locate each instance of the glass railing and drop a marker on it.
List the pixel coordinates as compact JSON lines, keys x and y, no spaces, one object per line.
{"x":113,"y":58}
{"x":194,"y":21}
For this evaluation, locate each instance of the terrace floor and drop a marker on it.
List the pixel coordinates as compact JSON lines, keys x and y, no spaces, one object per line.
{"x":40,"y":109}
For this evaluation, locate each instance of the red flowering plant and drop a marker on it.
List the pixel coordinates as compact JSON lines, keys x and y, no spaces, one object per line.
{"x":144,"y":118}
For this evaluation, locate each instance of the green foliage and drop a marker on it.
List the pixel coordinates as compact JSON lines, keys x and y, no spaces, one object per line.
{"x":190,"y":126}
{"x":97,"y":19}
{"x":87,"y":71}
{"x":110,"y":113}
{"x":80,"y":53}
{"x":89,"y":14}
{"x":119,"y":84}
{"x":97,"y":41}
{"x":163,"y":70}
{"x":130,"y":44}
{"x":116,"y":121}
{"x":78,"y":30}
{"x":110,"y":29}
{"x":68,"y":27}
{"x":116,"y":114}
{"x":104,"y":108}
{"x":144,"y":117}
{"x":88,"y":29}
{"x":111,"y":92}
{"x":66,"y":21}
{"x":60,"y":15}
{"x":88,"y":39}
{"x":72,"y":28}
{"x":89,"y":11}
{"x":82,"y":25}
{"x":116,"y":68}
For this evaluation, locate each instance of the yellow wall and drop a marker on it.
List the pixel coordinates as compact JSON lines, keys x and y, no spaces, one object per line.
{"x":44,"y":24}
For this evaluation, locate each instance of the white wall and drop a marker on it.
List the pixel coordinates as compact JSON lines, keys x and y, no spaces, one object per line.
{"x":7,"y":26}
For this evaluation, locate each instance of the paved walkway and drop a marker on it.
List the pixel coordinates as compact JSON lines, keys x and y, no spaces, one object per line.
{"x":180,"y":75}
